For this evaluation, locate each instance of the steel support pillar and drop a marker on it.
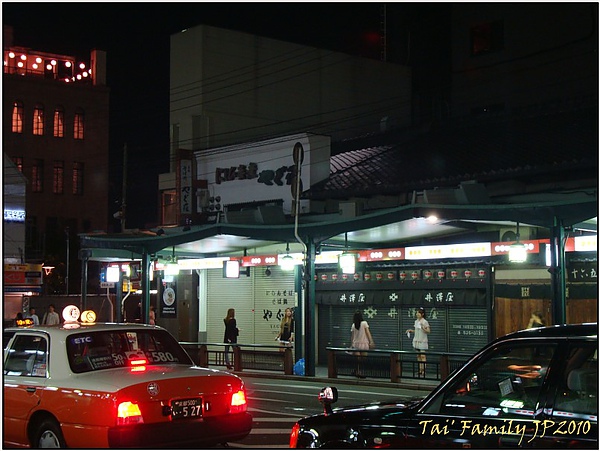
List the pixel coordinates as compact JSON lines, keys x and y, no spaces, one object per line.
{"x":558,"y":272}
{"x":146,"y":287}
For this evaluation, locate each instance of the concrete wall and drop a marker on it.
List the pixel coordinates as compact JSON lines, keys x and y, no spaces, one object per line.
{"x":229,"y":87}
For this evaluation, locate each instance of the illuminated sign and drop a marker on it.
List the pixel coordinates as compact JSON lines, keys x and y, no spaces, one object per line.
{"x":468,"y":250}
{"x":26,"y":274}
{"x":186,"y":186}
{"x":586,"y":243}
{"x":14,"y":215}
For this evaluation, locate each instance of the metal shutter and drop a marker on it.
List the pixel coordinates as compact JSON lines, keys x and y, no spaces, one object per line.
{"x":467,"y":329}
{"x":229,"y":293}
{"x":272,"y":295}
{"x":259,"y":302}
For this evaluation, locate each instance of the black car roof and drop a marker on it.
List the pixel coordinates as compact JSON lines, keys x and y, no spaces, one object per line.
{"x":564,"y":330}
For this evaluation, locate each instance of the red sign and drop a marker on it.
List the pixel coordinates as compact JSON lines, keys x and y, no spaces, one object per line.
{"x":29,"y":274}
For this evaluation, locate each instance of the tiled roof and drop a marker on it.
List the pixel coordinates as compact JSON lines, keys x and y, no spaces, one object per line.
{"x":482,"y":150}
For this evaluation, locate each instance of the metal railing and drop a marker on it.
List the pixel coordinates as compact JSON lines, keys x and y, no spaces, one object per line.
{"x":374,"y":363}
{"x":392,"y":365}
{"x":242,"y":356}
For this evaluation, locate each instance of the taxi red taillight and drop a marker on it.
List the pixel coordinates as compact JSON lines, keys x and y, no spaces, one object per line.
{"x":138,"y":365}
{"x":238,"y":402}
{"x":294,"y":435}
{"x":129,"y":413}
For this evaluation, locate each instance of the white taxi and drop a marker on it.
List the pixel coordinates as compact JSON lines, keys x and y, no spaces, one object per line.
{"x":106,"y":385}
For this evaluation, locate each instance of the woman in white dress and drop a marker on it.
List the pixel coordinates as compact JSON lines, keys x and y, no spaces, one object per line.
{"x":420,"y":342}
{"x":361,"y":339}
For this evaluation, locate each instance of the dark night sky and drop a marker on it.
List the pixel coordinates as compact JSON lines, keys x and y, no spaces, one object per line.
{"x":136,"y":39}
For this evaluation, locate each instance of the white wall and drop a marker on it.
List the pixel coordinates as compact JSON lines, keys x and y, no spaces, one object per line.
{"x":267,"y":155}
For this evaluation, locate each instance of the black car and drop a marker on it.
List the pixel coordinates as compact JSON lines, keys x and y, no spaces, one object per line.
{"x":535,"y":388}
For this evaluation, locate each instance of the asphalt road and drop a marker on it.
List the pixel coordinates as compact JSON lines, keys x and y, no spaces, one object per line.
{"x":276,"y":404}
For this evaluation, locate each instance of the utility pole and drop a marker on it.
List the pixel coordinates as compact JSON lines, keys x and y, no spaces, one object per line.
{"x":68,"y":257}
{"x":124,"y":189}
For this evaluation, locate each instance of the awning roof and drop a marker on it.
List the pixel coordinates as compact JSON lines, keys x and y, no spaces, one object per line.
{"x":380,"y":229}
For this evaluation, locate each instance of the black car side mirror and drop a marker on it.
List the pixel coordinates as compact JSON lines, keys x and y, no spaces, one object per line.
{"x":327,"y":396}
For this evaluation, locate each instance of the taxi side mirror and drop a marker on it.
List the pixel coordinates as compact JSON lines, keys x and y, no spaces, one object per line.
{"x":327,"y":396}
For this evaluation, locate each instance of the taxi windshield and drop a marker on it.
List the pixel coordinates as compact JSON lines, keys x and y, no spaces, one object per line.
{"x":91,"y":351}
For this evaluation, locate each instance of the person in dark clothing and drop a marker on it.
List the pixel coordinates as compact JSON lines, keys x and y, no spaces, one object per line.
{"x":231,"y":334}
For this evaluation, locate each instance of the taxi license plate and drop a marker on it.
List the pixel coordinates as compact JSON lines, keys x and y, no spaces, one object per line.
{"x":186,"y":408}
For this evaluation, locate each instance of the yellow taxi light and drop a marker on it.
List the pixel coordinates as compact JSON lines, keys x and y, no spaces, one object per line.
{"x":88,"y":316}
{"x":129,"y":413}
{"x":24,"y":322}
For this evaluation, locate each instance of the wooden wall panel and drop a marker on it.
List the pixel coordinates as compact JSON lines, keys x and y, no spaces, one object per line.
{"x":582,"y":311}
{"x":511,"y":315}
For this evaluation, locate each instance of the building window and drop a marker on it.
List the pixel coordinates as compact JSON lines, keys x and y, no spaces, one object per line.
{"x":77,"y":178}
{"x":18,"y":161}
{"x":17,"y":117}
{"x":58,"y":177}
{"x":37,"y":176}
{"x":38,"y":120}
{"x":59,"y":123}
{"x":168,"y":207}
{"x":487,"y":38}
{"x":78,"y":125}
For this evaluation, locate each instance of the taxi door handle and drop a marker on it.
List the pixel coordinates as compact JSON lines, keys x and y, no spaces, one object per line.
{"x":31,"y":389}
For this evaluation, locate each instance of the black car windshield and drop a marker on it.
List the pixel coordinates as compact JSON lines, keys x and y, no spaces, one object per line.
{"x":99,"y":350}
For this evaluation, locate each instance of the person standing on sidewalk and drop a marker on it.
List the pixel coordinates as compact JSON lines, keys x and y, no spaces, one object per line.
{"x":286,"y":329}
{"x":231,"y":334}
{"x":51,"y":318}
{"x":420,"y":341}
{"x":361,"y":340}
{"x":34,"y":317}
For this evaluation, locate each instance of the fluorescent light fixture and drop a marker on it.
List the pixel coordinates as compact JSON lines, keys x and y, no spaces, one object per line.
{"x":347,"y":262}
{"x":231,"y":269}
{"x":112,"y":273}
{"x":517,"y":253}
{"x":287,"y":263}
{"x":171,"y":269}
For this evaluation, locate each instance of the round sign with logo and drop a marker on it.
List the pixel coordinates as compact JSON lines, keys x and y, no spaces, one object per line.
{"x":169,"y":296}
{"x":70,"y":313}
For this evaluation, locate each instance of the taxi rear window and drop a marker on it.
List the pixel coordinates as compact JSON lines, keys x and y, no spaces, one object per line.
{"x":91,"y":351}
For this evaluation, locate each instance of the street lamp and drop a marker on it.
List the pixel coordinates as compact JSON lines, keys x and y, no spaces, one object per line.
{"x":287,"y":261}
{"x":517,"y":252}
